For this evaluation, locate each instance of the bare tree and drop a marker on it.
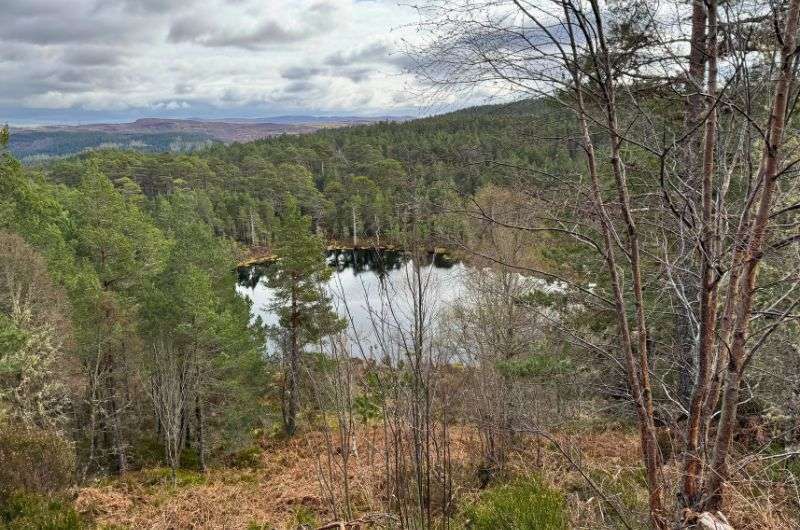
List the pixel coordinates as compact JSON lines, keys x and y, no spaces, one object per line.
{"x":647,"y":222}
{"x":170,"y":388}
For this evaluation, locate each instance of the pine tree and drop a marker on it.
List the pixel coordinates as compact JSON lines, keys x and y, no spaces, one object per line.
{"x":304,"y":309}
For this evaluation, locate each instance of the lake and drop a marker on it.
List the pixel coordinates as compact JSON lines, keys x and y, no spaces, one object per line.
{"x":370,"y":289}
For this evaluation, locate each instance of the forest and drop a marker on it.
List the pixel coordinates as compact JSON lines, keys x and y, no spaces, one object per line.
{"x":576,"y":308}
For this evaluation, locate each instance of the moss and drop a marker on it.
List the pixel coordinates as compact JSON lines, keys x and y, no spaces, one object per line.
{"x":30,"y":511}
{"x":526,"y":504}
{"x":157,"y":477}
{"x":304,"y":517}
{"x":248,"y":458}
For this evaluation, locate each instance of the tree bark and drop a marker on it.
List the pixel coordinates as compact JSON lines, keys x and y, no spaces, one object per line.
{"x":692,"y":474}
{"x":638,"y":377}
{"x":292,"y":401}
{"x":768,"y":177}
{"x":685,"y":317}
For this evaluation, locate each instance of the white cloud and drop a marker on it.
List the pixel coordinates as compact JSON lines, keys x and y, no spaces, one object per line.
{"x":253,"y":56}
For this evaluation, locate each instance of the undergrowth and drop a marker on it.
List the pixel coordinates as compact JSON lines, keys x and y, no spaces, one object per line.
{"x":524,"y":504}
{"x":29,"y":511}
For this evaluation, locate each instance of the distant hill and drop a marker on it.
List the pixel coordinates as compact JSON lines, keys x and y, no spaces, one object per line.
{"x":160,"y":135}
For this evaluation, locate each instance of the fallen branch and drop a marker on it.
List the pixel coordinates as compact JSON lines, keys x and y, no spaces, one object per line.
{"x":356,"y":524}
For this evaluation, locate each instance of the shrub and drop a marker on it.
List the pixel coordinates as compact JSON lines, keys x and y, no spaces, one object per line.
{"x":29,"y":511}
{"x":190,"y":459}
{"x":248,"y":458}
{"x":520,"y":505}
{"x":147,"y":452}
{"x":304,"y":517}
{"x":34,"y":461}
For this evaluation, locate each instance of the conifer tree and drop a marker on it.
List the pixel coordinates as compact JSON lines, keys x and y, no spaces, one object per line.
{"x":303,"y":307}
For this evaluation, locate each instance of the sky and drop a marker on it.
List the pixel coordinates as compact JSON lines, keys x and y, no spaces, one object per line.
{"x":80,"y":61}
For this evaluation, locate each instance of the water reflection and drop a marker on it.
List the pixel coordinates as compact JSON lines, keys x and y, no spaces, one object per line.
{"x":378,"y":262}
{"x":366,"y":279}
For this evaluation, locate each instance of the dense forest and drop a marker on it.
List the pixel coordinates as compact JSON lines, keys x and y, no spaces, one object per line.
{"x":620,"y":350}
{"x":30,"y":146}
{"x":357,"y":181}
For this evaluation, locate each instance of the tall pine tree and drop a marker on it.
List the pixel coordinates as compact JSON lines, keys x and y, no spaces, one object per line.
{"x":303,"y":307}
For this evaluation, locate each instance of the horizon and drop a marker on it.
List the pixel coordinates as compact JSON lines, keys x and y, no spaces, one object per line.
{"x":115,"y":61}
{"x":32,"y":124}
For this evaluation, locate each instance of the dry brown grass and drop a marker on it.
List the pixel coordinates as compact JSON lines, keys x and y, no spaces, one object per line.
{"x":288,"y":483}
{"x":271,"y":496}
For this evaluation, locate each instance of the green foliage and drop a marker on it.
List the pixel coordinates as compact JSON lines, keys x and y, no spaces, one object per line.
{"x":297,"y":279}
{"x":366,"y":408}
{"x":111,"y":233}
{"x":34,"y":460}
{"x":246,"y":458}
{"x":521,"y":505}
{"x":536,"y":366}
{"x":40,"y":145}
{"x":381,"y":173}
{"x":304,"y":517}
{"x":11,"y":340}
{"x":27,"y":511}
{"x":162,"y":476}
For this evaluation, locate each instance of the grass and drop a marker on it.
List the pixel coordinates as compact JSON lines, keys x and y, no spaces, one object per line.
{"x":525,"y":504}
{"x":28,"y":511}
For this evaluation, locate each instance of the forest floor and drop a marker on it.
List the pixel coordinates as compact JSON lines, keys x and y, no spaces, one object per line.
{"x":288,"y":489}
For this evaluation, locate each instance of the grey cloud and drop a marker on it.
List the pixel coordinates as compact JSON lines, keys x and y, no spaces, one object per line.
{"x":90,"y":79}
{"x":322,"y":8}
{"x":356,"y":75}
{"x":301,"y":72}
{"x":92,"y":56}
{"x":268,"y":32}
{"x":184,"y":88}
{"x":47,"y":32}
{"x":155,"y":6}
{"x":299,"y":87}
{"x":376,"y":52}
{"x":18,"y":52}
{"x":29,"y":8}
{"x":306,"y":73}
{"x":53,"y":22}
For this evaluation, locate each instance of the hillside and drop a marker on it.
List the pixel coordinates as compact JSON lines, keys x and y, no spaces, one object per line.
{"x":161,"y":135}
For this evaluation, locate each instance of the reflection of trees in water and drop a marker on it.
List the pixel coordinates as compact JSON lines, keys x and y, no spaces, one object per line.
{"x":250,"y":276}
{"x":375,"y":261}
{"x":378,"y":262}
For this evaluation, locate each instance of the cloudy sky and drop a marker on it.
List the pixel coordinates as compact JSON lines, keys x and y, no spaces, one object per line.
{"x":89,"y":60}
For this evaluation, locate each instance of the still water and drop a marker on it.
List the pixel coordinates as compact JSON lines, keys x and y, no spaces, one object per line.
{"x":370,"y":288}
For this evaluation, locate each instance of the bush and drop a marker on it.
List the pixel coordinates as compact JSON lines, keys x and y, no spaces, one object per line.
{"x":34,"y":461}
{"x":29,"y":511}
{"x":248,"y":458}
{"x":520,"y":505}
{"x":147,"y":452}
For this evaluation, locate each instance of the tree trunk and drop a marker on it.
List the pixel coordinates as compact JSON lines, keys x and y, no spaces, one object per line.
{"x":684,"y":318}
{"x":355,"y":231}
{"x":692,"y":475}
{"x":292,"y":399}
{"x":639,"y":375}
{"x":200,"y":433}
{"x":638,"y":379}
{"x":768,"y":176}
